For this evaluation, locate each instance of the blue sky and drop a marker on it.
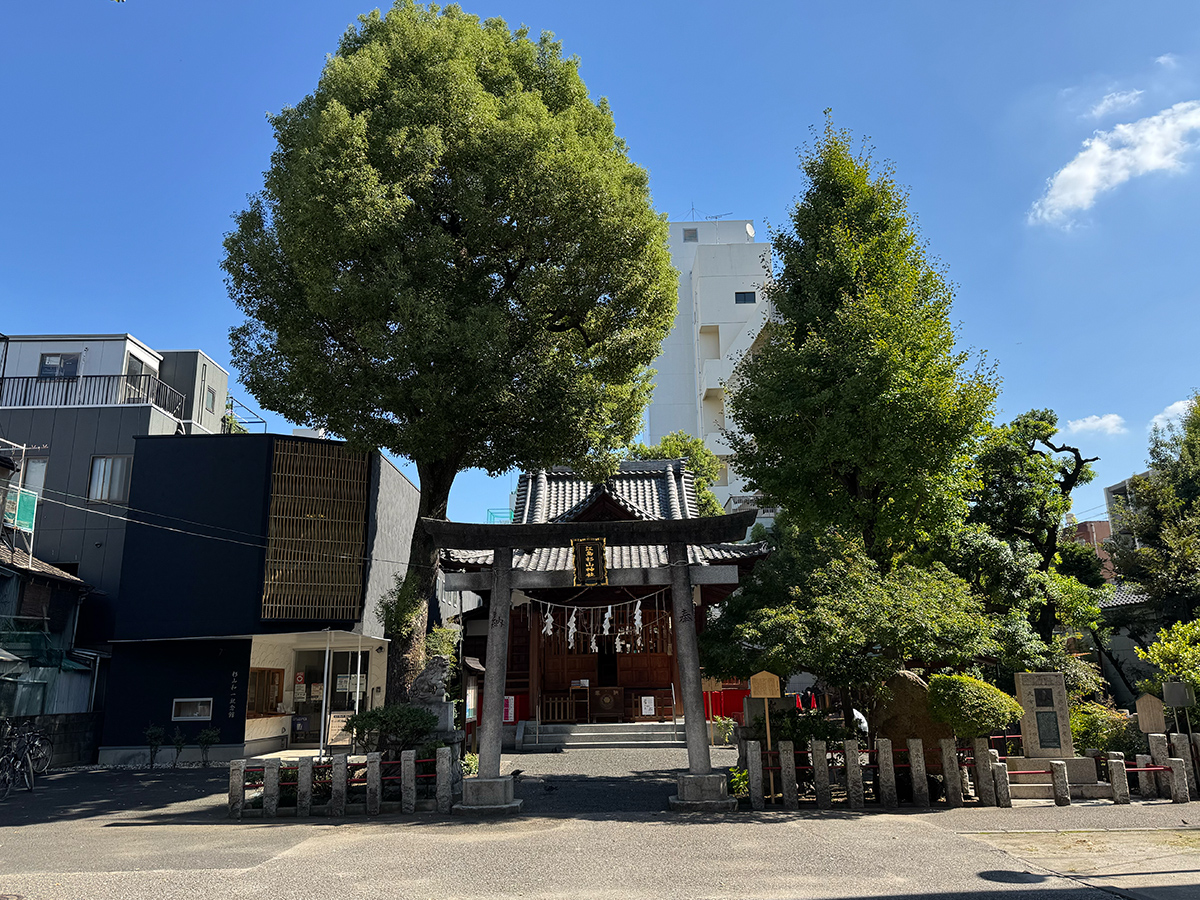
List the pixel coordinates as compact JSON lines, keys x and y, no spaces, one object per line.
{"x":1050,"y":149}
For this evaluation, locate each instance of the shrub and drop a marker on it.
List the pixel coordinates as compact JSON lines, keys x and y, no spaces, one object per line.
{"x":739,"y":782}
{"x":179,"y":740}
{"x":799,"y":726}
{"x":1101,"y":727}
{"x":723,"y":727}
{"x":972,"y":708}
{"x":154,"y":735}
{"x":391,"y":729}
{"x":470,"y":764}
{"x":206,"y":739}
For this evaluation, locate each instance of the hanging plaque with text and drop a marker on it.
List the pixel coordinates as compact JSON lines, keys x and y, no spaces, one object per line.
{"x":590,"y":568}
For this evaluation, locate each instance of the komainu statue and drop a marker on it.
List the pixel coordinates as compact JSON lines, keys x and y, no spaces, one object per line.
{"x":430,"y":686}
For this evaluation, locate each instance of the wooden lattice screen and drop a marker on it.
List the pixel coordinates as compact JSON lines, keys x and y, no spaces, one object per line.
{"x":317,"y":539}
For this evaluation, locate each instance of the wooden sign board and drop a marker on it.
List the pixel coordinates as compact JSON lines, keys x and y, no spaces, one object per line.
{"x":1151,"y":719}
{"x":710,"y":684}
{"x":764,"y":685}
{"x":590,"y":567}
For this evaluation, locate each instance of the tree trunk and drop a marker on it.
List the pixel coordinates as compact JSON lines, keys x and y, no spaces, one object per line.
{"x":406,"y":654}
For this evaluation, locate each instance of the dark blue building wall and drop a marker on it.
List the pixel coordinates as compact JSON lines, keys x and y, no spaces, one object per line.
{"x":195,"y":543}
{"x":145,"y":679}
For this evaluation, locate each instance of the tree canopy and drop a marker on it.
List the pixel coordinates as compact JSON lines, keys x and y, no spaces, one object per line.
{"x":1156,"y":540}
{"x":855,"y":411}
{"x":452,"y":258}
{"x":704,"y":465}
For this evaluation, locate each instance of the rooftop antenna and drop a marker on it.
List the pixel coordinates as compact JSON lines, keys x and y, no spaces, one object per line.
{"x":694,"y":213}
{"x":718,"y":217}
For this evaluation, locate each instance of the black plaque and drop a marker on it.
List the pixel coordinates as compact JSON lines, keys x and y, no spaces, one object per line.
{"x":590,"y":568}
{"x":1047,"y":727}
{"x":1043,"y":697}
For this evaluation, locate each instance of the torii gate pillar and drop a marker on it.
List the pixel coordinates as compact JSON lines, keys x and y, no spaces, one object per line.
{"x":490,"y":793}
{"x":699,"y":789}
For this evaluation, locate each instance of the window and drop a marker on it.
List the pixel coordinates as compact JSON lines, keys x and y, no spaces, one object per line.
{"x":691,"y":235}
{"x":210,"y":400}
{"x":743,"y":296}
{"x":59,"y":365}
{"x":264,"y":692}
{"x":35,"y":474}
{"x":191,"y":709}
{"x":110,"y":479}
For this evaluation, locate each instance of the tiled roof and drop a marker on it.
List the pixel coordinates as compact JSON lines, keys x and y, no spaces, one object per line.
{"x":647,"y":489}
{"x":1125,"y":595}
{"x":560,"y":559}
{"x":19,"y":559}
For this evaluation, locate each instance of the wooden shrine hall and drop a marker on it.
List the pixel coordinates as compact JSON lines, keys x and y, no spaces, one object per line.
{"x":591,"y":598}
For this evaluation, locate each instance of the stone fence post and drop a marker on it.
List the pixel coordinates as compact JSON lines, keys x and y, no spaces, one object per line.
{"x":444,"y":782}
{"x":920,"y":782}
{"x":787,"y":775}
{"x":1147,"y":783}
{"x":374,"y":783}
{"x":304,"y":786}
{"x":237,"y":788}
{"x":1179,"y":785}
{"x":1118,"y":777}
{"x":854,"y":775}
{"x":340,"y":777}
{"x":1000,"y":775}
{"x":951,"y":779}
{"x":754,"y":768}
{"x":1160,"y":755}
{"x":1181,"y":747}
{"x":985,"y":782}
{"x":887,"y":773}
{"x":1058,"y":778}
{"x":820,"y":764}
{"x":271,"y":787}
{"x":408,"y":781}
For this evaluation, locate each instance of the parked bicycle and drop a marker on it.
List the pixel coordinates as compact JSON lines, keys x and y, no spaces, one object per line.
{"x":25,"y":751}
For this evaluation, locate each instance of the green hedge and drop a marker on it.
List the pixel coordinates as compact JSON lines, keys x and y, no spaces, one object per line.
{"x":1101,"y":727}
{"x":972,"y":708}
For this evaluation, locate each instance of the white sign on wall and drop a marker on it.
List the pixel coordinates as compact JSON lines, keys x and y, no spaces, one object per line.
{"x":648,"y":705}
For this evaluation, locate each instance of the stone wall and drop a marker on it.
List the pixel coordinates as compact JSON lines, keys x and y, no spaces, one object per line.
{"x":76,"y":736}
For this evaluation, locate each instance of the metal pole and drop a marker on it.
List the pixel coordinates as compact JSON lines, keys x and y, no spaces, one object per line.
{"x":358,"y":676}
{"x":324,"y":695}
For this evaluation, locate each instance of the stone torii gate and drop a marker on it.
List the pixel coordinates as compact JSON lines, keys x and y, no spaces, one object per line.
{"x":700,"y":788}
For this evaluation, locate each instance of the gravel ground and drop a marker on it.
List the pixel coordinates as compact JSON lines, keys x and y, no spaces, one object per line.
{"x":601,"y":781}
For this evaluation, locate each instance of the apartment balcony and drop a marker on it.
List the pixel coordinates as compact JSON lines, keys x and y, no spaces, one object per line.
{"x":713,"y":376}
{"x":90,"y":390}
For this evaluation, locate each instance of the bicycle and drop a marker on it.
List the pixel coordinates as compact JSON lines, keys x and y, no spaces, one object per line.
{"x":21,"y":746}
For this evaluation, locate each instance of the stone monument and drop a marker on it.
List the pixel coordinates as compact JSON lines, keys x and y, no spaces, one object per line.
{"x":1046,"y":737}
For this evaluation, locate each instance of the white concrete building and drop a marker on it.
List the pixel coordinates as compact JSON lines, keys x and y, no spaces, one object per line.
{"x":722,"y":308}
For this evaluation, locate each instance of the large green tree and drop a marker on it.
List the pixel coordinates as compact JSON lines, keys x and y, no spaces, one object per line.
{"x":855,"y":411}
{"x":819,"y":604}
{"x":1156,"y":541}
{"x":452,"y":258}
{"x":1022,"y":498}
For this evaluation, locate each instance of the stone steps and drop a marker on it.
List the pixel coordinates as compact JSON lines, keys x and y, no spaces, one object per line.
{"x":594,"y":736}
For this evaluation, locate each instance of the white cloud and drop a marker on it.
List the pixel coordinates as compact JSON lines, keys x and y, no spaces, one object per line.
{"x":1109,"y":423}
{"x":1113,"y":102}
{"x":1167,"y":61}
{"x":1170,"y":414}
{"x":1109,"y":158}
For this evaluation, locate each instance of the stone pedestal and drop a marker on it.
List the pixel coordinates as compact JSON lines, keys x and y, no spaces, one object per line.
{"x":487,"y":797}
{"x":702,"y":793}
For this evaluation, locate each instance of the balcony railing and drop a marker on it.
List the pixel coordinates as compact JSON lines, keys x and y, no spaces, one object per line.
{"x":91,"y":390}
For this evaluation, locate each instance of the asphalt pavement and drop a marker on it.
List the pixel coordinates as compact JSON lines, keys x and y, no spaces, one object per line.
{"x":602,"y":831}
